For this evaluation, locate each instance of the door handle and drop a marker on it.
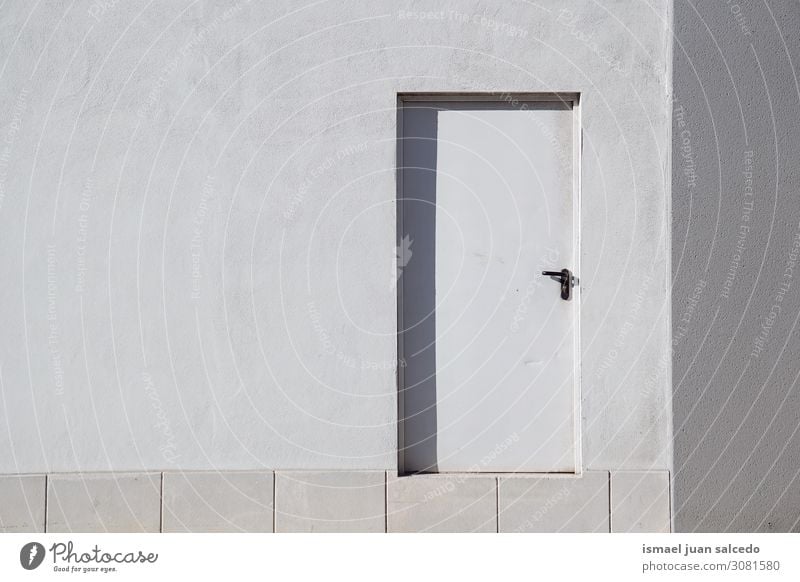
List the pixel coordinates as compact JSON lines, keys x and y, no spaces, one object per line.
{"x":567,"y":280}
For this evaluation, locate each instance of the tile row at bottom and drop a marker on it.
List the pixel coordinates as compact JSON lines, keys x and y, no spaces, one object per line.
{"x":335,"y":501}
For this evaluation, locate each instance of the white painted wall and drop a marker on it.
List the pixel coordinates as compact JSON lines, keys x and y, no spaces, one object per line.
{"x":197,"y":222}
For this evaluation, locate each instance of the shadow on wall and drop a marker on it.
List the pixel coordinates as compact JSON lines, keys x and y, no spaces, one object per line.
{"x":736,"y":280}
{"x":417,"y":286}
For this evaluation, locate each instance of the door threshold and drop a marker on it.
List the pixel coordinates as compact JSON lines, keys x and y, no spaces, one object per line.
{"x":531,"y":474}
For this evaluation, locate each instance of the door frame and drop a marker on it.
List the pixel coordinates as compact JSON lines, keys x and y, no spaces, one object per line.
{"x":509,"y":98}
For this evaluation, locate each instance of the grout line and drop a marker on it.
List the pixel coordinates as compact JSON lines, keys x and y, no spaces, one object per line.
{"x":161,"y":504}
{"x":274,"y":498}
{"x":610,"y":527}
{"x":669,"y":500}
{"x":386,"y":501}
{"x":497,"y":504}
{"x":46,"y":482}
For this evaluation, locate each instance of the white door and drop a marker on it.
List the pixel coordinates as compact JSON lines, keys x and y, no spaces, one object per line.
{"x":487,"y":202}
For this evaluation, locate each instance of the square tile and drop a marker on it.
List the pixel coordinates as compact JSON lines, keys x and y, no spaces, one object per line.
{"x":330,"y":501}
{"x":218,"y":501}
{"x":442,"y":503}
{"x":100,"y":502}
{"x":22,"y":503}
{"x":640,"y":501}
{"x":554,"y":503}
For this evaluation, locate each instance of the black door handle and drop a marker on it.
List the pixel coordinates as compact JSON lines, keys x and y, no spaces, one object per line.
{"x":567,"y":280}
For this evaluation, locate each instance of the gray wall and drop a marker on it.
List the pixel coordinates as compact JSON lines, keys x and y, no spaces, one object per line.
{"x":736,"y":293}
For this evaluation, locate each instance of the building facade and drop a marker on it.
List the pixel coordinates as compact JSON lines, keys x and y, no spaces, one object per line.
{"x":207,"y":268}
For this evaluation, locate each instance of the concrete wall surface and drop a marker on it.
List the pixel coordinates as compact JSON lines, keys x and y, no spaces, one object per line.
{"x":197,"y":224}
{"x":736,"y":287}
